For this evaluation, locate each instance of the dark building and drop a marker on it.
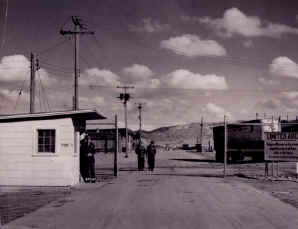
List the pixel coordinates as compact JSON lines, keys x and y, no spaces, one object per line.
{"x":105,"y":139}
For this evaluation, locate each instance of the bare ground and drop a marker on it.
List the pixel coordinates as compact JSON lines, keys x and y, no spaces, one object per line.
{"x":17,"y":202}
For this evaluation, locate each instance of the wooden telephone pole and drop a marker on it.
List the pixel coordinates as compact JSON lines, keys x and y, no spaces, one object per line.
{"x":140,"y":106}
{"x":32,"y":83}
{"x":125,"y":97}
{"x":34,"y":66}
{"x":79,"y":29}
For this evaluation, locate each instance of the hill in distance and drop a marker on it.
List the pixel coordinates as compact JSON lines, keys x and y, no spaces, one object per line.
{"x":181,"y":134}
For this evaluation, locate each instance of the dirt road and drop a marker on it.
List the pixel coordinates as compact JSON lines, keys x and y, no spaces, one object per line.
{"x":176,"y":195}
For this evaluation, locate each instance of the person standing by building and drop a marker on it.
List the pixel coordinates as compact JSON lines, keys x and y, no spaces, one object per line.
{"x":151,"y":152}
{"x":141,"y":152}
{"x":90,"y":161}
{"x":84,"y":156}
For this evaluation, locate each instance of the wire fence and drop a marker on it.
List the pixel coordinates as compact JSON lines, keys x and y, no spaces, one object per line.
{"x":257,"y":148}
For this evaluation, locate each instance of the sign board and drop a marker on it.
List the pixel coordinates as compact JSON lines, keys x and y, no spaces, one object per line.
{"x":270,"y":125}
{"x":281,"y":146}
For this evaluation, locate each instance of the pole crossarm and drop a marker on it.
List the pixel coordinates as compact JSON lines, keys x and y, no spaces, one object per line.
{"x":125,"y":97}
{"x":79,"y":29}
{"x":140,"y":106}
{"x":66,"y":32}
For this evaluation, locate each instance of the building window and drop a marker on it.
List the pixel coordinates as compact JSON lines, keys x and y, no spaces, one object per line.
{"x":46,"y":141}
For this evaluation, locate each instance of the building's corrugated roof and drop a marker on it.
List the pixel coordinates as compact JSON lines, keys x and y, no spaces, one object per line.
{"x":82,"y":114}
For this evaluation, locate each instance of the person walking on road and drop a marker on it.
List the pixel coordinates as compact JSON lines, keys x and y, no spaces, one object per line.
{"x":141,"y":152}
{"x":151,"y":152}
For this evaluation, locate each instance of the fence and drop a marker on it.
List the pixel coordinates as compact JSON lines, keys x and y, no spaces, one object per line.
{"x":267,"y":143}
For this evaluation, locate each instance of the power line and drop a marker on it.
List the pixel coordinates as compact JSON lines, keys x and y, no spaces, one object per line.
{"x":5,"y":25}
{"x":47,"y":105}
{"x":79,"y":29}
{"x":19,"y":94}
{"x":82,"y":57}
{"x":96,"y":61}
{"x":42,"y":52}
{"x":200,"y":90}
{"x":54,"y":68}
{"x":125,"y":98}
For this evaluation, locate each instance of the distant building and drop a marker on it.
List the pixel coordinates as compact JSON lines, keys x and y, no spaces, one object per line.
{"x":104,"y":139}
{"x":42,"y":149}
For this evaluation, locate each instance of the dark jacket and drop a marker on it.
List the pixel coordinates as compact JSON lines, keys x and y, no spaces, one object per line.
{"x":151,"y":150}
{"x":141,"y":151}
{"x":90,"y":150}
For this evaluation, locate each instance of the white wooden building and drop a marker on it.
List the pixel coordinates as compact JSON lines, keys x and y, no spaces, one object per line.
{"x":42,"y":149}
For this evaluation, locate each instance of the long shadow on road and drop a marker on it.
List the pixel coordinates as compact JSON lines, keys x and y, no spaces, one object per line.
{"x":217,"y":162}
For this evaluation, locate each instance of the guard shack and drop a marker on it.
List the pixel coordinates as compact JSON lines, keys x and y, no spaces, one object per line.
{"x":42,"y":149}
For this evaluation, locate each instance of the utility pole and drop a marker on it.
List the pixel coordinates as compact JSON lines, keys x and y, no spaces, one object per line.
{"x":79,"y":29}
{"x":125,"y":97}
{"x":32,"y":83}
{"x":225,"y":145}
{"x":201,"y":139}
{"x":140,"y":106}
{"x":116,"y":147}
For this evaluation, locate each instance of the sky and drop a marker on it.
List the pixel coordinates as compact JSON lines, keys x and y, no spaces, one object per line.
{"x":186,"y":59}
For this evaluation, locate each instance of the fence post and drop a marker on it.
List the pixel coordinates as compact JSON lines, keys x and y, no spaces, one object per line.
{"x":266,"y":169}
{"x":116,"y":146}
{"x":225,"y":145}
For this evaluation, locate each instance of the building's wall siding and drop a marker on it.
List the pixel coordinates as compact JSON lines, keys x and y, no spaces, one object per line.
{"x":20,"y":164}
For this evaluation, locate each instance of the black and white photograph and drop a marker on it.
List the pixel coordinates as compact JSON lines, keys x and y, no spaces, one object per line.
{"x":148,"y":114}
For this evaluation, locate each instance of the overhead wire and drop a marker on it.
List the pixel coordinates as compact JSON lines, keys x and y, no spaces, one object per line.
{"x":55,"y":69}
{"x":95,"y":58}
{"x":39,"y":98}
{"x":42,"y":52}
{"x":44,"y":95}
{"x":5,"y":25}
{"x":19,"y":94}
{"x":81,"y":57}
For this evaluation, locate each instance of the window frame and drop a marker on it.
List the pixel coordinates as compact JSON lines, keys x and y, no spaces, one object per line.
{"x":35,"y":143}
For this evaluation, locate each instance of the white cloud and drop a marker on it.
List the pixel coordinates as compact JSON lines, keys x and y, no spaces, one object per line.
{"x":149,"y":83}
{"x":182,"y":78}
{"x":149,"y":25}
{"x":14,"y":101}
{"x":290,"y":95}
{"x":95,"y":76}
{"x":248,"y":44}
{"x":191,"y":46}
{"x":14,"y":68}
{"x":284,"y":66}
{"x":11,"y":96}
{"x":216,"y":111}
{"x":268,"y":81}
{"x":46,"y":79}
{"x":235,"y":21}
{"x":271,"y":104}
{"x":137,"y":72}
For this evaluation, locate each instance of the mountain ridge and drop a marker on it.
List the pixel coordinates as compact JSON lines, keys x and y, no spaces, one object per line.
{"x":177,"y":135}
